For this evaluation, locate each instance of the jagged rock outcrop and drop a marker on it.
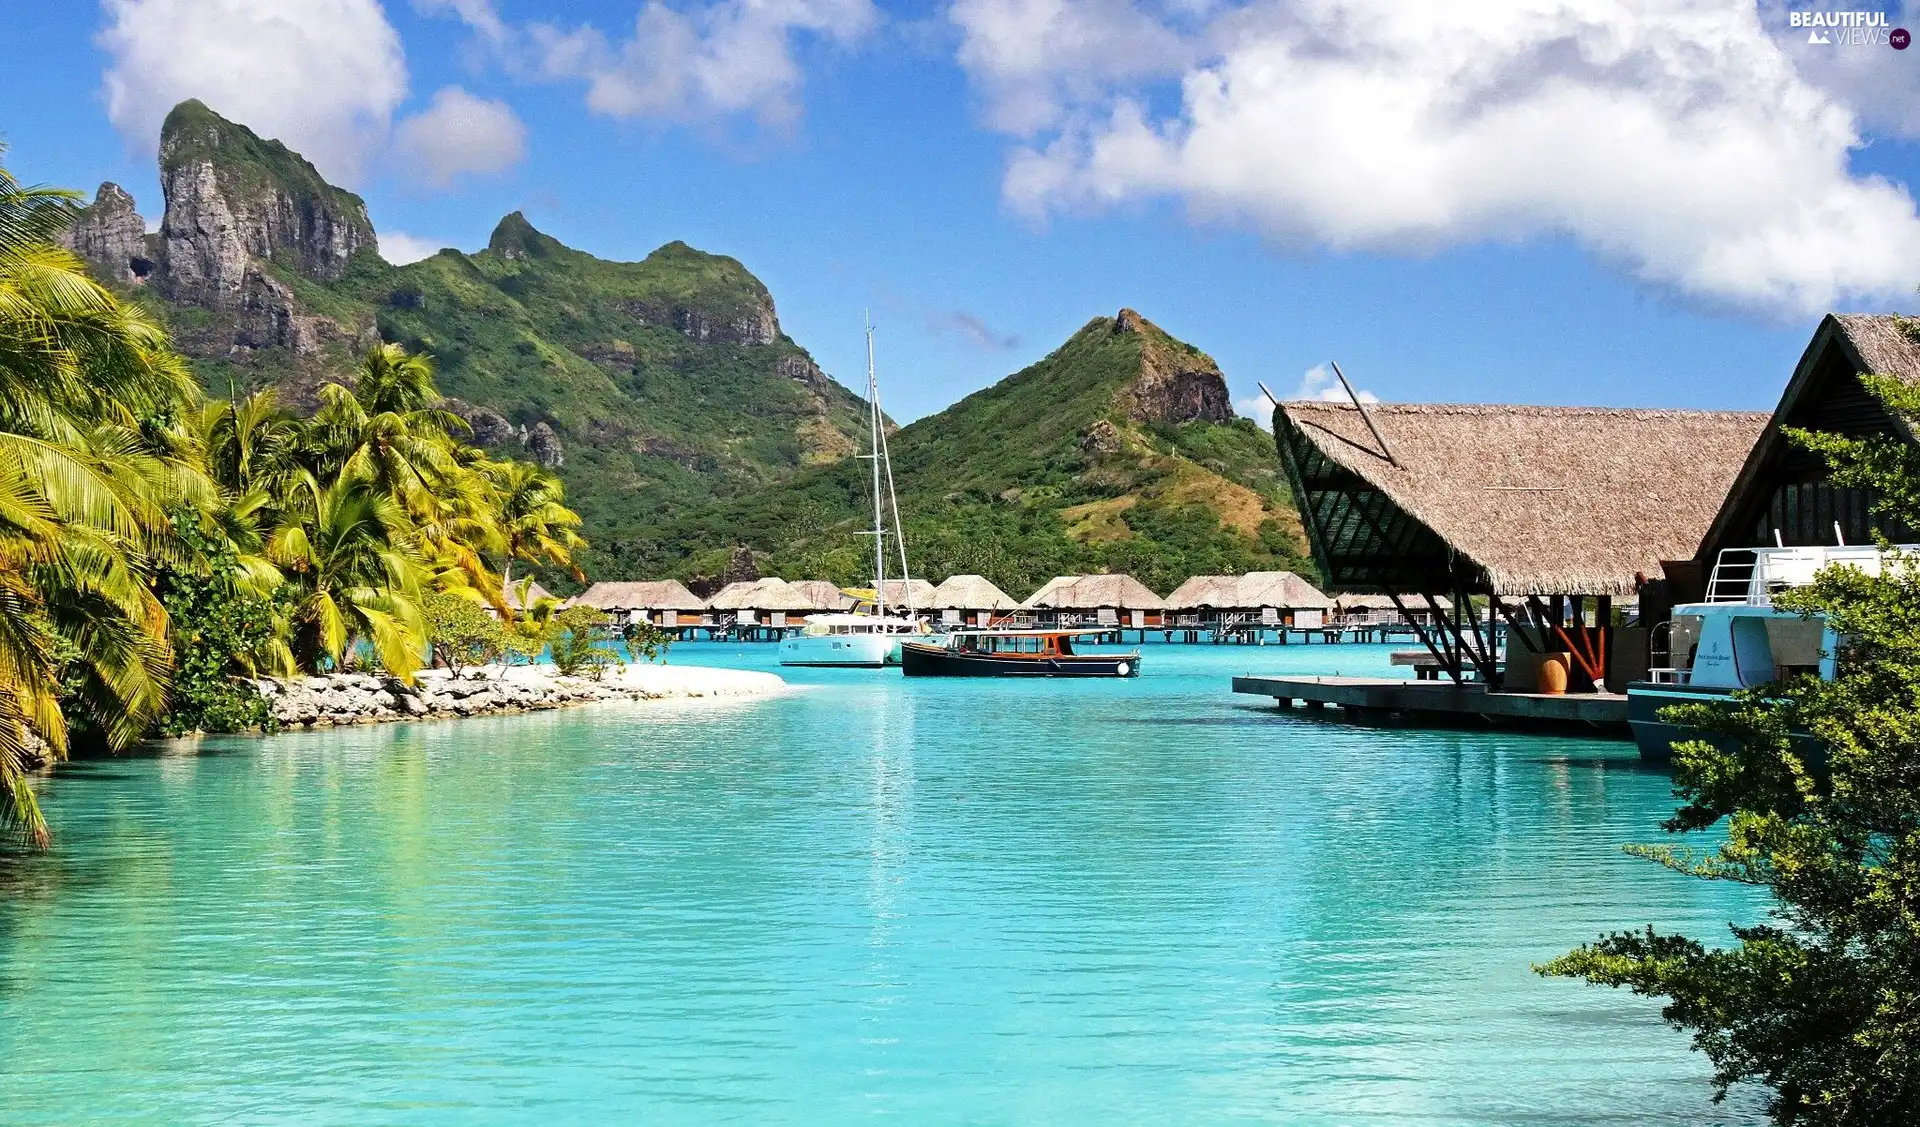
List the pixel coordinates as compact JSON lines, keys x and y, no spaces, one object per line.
{"x":1176,"y":384}
{"x":1102,"y":439}
{"x":802,"y":370}
{"x":112,"y":237}
{"x":233,"y":198}
{"x":488,"y":426}
{"x":741,"y":566}
{"x":544,"y":446}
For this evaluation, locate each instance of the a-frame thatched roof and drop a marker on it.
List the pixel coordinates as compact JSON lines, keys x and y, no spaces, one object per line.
{"x":969,"y":592}
{"x":1256,"y":589}
{"x":760,"y":594}
{"x":1094,"y":592}
{"x":661,"y":594}
{"x":822,"y":594}
{"x":1824,"y":394}
{"x":1515,"y":500}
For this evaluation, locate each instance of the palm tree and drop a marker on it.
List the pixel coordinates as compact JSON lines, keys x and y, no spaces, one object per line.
{"x":347,"y":550}
{"x":532,"y":516}
{"x":92,"y":457}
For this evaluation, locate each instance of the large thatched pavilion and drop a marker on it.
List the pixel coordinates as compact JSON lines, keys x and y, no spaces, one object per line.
{"x":1559,"y":509}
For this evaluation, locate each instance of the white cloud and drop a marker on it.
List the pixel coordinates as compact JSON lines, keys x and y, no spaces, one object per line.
{"x":323,"y":76}
{"x":400,"y":248}
{"x":1674,"y":138}
{"x":458,"y":134}
{"x":1319,"y":382}
{"x":1257,"y":408}
{"x":697,"y":63}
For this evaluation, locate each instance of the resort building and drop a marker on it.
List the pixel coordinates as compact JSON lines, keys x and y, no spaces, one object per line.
{"x":1781,"y":495}
{"x":1097,"y":600}
{"x":825,"y":597}
{"x":665,"y":602}
{"x":1258,"y":600}
{"x":767,"y":603}
{"x":1559,"y":510}
{"x":521,"y":598}
{"x":1379,"y":611}
{"x":969,"y":600}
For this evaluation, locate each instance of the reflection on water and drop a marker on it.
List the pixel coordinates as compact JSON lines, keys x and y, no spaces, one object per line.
{"x":943,"y":901}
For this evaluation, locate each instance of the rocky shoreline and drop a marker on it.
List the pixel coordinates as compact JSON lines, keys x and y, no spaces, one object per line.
{"x":361,"y":698}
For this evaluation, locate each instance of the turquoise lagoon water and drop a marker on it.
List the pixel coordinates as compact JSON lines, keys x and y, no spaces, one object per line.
{"x":944,"y":902}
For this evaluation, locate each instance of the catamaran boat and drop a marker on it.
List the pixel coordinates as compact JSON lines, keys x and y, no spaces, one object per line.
{"x":864,"y":640}
{"x":861,"y":639}
{"x":1012,"y":653}
{"x":1737,"y":639}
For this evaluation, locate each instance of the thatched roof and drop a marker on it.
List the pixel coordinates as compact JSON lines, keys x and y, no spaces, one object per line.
{"x":969,"y":592}
{"x":1350,"y":602}
{"x":760,"y":594}
{"x":821,"y":594}
{"x":534,"y":593}
{"x":1094,"y":592}
{"x":1571,"y":500}
{"x":661,"y":594}
{"x":1824,"y":394}
{"x":898,"y":590}
{"x":1242,"y":592}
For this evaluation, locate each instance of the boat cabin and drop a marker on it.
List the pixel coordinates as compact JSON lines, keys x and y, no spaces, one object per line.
{"x":1037,"y":643}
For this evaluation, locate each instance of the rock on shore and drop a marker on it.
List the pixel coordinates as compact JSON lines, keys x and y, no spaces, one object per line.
{"x":363,"y":698}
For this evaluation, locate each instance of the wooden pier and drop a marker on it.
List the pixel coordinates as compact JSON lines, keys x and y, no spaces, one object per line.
{"x":1443,"y":703}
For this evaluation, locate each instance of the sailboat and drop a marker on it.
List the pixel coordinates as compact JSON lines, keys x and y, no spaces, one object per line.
{"x":862,"y":639}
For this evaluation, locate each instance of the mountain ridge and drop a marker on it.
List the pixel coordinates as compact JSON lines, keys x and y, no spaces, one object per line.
{"x":656,"y":385}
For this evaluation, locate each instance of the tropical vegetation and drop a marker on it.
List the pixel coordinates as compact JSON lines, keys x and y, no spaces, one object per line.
{"x":1817,"y":785}
{"x":156,"y":545}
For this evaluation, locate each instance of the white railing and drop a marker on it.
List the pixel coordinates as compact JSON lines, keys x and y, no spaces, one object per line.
{"x":1752,"y":576}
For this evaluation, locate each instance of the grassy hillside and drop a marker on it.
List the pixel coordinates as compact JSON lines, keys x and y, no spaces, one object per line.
{"x":1046,"y":472}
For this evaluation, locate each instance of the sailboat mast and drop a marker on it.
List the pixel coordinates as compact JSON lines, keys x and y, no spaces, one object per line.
{"x":893,"y":499}
{"x":879,"y":528}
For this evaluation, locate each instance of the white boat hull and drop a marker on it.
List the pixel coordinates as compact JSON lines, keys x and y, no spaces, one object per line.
{"x":868,"y":651}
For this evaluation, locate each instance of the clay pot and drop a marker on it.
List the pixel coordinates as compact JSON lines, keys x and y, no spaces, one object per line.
{"x":1554,"y":669}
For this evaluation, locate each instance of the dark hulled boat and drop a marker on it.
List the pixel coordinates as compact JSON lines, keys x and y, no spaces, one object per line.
{"x":1012,"y":653}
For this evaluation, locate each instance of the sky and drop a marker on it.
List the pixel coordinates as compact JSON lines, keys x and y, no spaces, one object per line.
{"x":1642,"y":203}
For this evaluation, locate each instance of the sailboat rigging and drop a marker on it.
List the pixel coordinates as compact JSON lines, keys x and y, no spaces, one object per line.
{"x":866,"y":639}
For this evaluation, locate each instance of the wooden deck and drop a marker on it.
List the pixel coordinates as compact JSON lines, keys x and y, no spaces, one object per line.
{"x":1443,"y":703}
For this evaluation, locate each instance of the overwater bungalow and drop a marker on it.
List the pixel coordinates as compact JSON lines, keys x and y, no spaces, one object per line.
{"x":665,"y":603}
{"x":1560,"y":510}
{"x":758,"y":608}
{"x":970,"y":600}
{"x":1257,"y":602}
{"x":898,"y":592}
{"x":825,"y":597}
{"x":1097,"y":600}
{"x":520,"y":599}
{"x":1379,"y":611}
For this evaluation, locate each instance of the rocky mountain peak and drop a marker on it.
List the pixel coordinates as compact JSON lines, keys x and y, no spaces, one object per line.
{"x":111,"y":236}
{"x":1177,"y":382}
{"x":513,"y":237}
{"x":235,"y":200}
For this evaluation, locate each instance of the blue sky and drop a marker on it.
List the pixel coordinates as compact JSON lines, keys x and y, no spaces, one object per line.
{"x":1546,"y":203}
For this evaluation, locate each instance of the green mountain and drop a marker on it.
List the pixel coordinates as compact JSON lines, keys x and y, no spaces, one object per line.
{"x":686,"y":424}
{"x":1119,"y":451}
{"x":655,"y":387}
